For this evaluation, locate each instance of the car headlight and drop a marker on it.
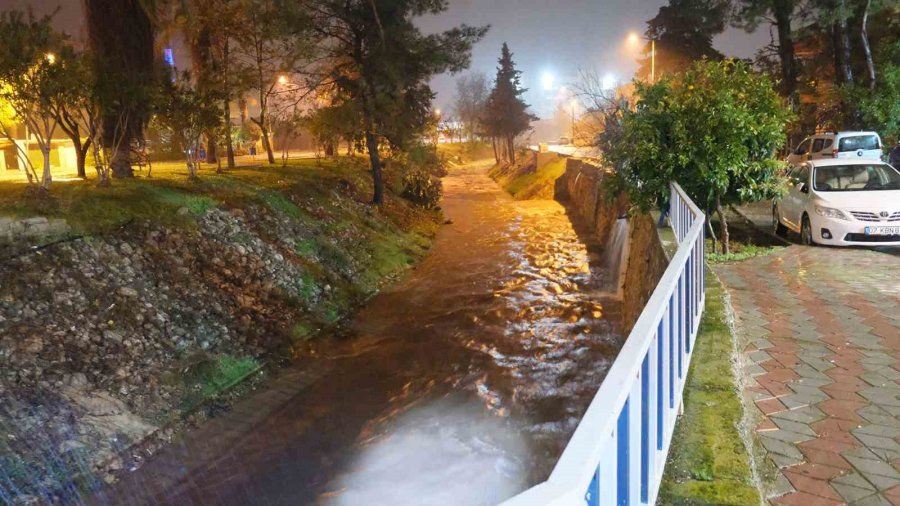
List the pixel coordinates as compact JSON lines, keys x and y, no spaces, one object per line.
{"x":830,"y":212}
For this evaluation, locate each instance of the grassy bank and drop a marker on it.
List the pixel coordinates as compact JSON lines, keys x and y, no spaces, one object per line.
{"x":533,"y":176}
{"x":171,"y":291}
{"x":708,"y":461}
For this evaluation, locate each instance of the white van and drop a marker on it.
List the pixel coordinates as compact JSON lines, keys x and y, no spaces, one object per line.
{"x":859,"y":145}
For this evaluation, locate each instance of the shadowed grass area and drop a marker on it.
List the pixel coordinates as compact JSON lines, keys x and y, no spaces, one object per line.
{"x":465,"y":152}
{"x":708,"y":461}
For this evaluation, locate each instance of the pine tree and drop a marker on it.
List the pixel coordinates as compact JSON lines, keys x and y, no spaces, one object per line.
{"x":684,"y":31}
{"x":507,"y":114}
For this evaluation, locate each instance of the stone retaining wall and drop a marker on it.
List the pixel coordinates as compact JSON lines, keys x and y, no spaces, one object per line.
{"x":38,"y":227}
{"x":645,"y":259}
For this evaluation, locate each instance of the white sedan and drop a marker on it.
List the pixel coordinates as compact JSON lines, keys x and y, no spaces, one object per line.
{"x":842,"y":202}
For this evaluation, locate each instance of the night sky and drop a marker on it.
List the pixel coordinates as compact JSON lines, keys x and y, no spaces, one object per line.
{"x":547,"y":37}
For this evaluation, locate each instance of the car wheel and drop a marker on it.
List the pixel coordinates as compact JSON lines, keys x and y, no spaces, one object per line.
{"x":806,"y":234}
{"x":780,"y":229}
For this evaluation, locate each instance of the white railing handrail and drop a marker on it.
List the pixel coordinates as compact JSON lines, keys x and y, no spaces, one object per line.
{"x":590,"y":445}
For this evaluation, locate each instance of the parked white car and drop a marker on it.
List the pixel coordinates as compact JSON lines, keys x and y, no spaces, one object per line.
{"x":841,"y":202}
{"x":838,"y":145}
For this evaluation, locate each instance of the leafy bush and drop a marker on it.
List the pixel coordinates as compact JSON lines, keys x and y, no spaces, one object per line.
{"x":421,"y":188}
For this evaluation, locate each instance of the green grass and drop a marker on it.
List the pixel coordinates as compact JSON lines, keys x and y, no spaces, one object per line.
{"x":708,"y":461}
{"x":531,"y":177}
{"x":539,"y":182}
{"x":739,"y":251}
{"x":212,"y":376}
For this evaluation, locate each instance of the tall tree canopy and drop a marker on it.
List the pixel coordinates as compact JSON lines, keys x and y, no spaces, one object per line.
{"x":471,"y":98}
{"x":506,"y":115}
{"x":683,"y":31}
{"x":781,"y":14}
{"x":381,"y":63}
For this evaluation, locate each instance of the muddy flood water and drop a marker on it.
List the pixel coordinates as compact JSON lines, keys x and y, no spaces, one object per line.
{"x":460,"y":385}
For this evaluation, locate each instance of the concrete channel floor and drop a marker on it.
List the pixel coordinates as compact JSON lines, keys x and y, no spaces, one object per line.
{"x":818,"y":335}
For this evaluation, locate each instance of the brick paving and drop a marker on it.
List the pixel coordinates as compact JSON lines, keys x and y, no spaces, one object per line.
{"x":819,"y":335}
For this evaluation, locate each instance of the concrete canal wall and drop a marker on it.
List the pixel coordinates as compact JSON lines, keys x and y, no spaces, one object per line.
{"x":643,"y":258}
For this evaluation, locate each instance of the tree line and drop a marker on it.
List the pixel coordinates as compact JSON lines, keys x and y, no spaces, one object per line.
{"x":835,"y":61}
{"x":352,"y":69}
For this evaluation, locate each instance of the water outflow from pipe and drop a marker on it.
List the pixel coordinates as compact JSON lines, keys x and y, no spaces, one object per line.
{"x":613,"y":256}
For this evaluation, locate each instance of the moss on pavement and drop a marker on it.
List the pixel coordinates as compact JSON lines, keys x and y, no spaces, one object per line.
{"x":708,"y":461}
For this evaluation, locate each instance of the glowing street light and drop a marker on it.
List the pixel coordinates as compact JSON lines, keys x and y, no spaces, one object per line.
{"x":547,"y":80}
{"x":609,"y":82}
{"x":437,"y":112}
{"x":282,"y":79}
{"x":51,"y":58}
{"x":634,"y":39}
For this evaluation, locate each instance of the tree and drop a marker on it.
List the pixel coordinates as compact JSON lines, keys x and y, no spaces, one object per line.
{"x":381,"y":63}
{"x":30,"y":81}
{"x":121,"y":35}
{"x":269,"y":51}
{"x":683,"y":31}
{"x":506,"y":116}
{"x":471,"y":98}
{"x":714,"y":130}
{"x":781,"y":14}
{"x":187,"y":111}
{"x":74,"y":106}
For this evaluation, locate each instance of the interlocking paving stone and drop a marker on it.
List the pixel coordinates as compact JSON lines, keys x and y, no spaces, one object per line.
{"x":820,"y":334}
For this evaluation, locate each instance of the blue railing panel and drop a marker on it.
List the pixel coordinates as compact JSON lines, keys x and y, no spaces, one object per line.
{"x":612,"y":459}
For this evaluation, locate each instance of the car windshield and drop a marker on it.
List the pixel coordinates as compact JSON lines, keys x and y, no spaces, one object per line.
{"x":858,"y":142}
{"x":857,"y":177}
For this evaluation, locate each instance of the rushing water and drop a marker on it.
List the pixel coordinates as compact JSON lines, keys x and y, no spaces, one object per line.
{"x":460,"y":385}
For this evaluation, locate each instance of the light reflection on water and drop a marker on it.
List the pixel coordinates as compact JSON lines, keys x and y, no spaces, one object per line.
{"x":459,"y":385}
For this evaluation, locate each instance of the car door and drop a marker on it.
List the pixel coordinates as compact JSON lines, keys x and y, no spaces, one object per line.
{"x":796,"y":198}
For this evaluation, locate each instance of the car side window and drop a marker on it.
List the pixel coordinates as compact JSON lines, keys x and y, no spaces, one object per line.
{"x":818,"y":145}
{"x":828,"y":143}
{"x":803,"y":148}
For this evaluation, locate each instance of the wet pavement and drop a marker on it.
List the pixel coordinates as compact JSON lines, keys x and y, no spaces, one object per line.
{"x":459,"y":385}
{"x":818,"y":330}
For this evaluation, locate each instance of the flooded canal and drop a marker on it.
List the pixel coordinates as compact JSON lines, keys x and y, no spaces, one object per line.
{"x":459,"y":385}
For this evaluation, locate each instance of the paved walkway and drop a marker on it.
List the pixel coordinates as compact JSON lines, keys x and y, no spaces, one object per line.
{"x":819,"y":330}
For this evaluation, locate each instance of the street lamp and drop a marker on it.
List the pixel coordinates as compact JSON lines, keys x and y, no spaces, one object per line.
{"x":282,"y":79}
{"x":634,"y":38}
{"x":51,"y":58}
{"x":574,"y":105}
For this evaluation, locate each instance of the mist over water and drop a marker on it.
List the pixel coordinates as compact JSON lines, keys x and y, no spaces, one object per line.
{"x":459,"y":385}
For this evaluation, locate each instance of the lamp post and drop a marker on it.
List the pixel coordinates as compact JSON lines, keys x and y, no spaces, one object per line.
{"x":634,"y":38}
{"x":573,"y":121}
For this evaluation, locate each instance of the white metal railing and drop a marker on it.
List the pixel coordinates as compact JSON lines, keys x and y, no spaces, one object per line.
{"x":618,"y":451}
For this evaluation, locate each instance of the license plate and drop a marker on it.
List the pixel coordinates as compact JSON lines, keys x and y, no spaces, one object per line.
{"x":882,"y":230}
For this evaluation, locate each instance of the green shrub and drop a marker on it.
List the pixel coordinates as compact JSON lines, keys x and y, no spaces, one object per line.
{"x":422,"y":189}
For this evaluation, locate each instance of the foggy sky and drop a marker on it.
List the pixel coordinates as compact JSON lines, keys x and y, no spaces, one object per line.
{"x":546,"y":36}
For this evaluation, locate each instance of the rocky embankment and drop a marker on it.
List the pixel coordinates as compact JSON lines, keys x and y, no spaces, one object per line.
{"x":106,"y":339}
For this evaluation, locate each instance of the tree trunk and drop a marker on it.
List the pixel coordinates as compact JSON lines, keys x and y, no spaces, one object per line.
{"x":46,"y":177}
{"x":267,"y":145}
{"x":784,"y":10}
{"x":211,"y":148}
{"x":121,"y":161}
{"x":229,"y":144}
{"x":864,"y":34}
{"x":843,"y":71}
{"x":723,"y":227}
{"x":510,"y":146}
{"x":375,"y":161}
{"x":80,"y":155}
